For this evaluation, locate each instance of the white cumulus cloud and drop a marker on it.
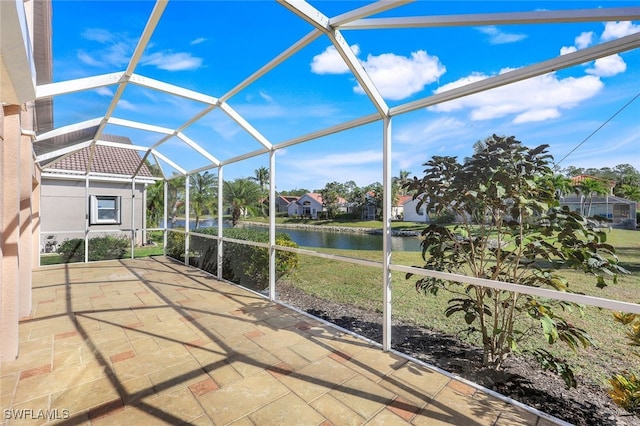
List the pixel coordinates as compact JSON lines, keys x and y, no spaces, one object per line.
{"x":497,"y":36}
{"x":614,"y":30}
{"x":535,"y":99}
{"x":608,"y":66}
{"x":398,"y":77}
{"x":584,"y":39}
{"x":172,"y":61}
{"x":330,"y":61}
{"x":395,"y":76}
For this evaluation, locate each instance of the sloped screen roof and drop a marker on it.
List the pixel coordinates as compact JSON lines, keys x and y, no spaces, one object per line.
{"x":207,"y":122}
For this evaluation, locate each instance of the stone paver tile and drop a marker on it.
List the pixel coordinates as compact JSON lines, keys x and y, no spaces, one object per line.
{"x":135,"y":389}
{"x":289,"y":409}
{"x":35,"y":371}
{"x":519,"y":417}
{"x":255,"y":362}
{"x":245,"y":421}
{"x":203,"y":387}
{"x":451,"y":407}
{"x":86,"y":396}
{"x":151,"y":362}
{"x":348,"y":344}
{"x":203,"y":420}
{"x":387,"y":417}
{"x":316,"y":379}
{"x":310,"y":350}
{"x":239,"y":344}
{"x":461,"y":387}
{"x":144,"y":345}
{"x":8,"y":383}
{"x":375,"y":364}
{"x":38,"y":344}
{"x":363,"y":396}
{"x":26,"y":361}
{"x":291,"y":358}
{"x":180,"y":405}
{"x":178,"y":376}
{"x":127,"y":416}
{"x":209,"y":354}
{"x":415,"y":383}
{"x":223,"y":374}
{"x":241,"y":398}
{"x":403,"y":408}
{"x":34,"y":412}
{"x":55,"y":381}
{"x":67,"y":359}
{"x":336,"y":412}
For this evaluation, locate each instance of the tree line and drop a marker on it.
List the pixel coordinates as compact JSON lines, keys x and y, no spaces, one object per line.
{"x":250,"y":195}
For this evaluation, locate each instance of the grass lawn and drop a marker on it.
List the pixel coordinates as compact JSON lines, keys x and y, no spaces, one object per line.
{"x":361,"y":286}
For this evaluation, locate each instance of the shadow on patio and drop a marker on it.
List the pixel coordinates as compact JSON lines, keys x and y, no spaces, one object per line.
{"x":155,"y":342}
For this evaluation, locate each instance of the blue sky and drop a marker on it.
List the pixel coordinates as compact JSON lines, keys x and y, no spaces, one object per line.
{"x":211,"y":46}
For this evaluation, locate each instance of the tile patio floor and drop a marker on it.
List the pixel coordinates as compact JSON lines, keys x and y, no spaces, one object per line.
{"x":150,"y":341}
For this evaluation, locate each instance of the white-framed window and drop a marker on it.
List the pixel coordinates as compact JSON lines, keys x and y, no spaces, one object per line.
{"x":105,"y":209}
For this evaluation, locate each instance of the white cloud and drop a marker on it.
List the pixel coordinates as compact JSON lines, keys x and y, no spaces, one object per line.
{"x":584,"y":39}
{"x":567,"y":49}
{"x":117,"y":49}
{"x":535,"y":99}
{"x":398,"y":77}
{"x":497,"y":36}
{"x":265,"y":96}
{"x":88,"y":59}
{"x":98,"y":34}
{"x":614,"y":30}
{"x":104,"y":91}
{"x":126,"y":105}
{"x":330,"y":61}
{"x":395,"y":76}
{"x":198,"y":41}
{"x":173,"y":61}
{"x":608,"y":66}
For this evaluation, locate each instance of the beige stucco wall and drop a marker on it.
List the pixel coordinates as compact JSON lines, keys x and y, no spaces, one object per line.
{"x":16,"y":212}
{"x":65,"y":204}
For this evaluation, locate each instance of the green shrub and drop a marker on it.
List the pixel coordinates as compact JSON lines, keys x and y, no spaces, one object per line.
{"x":243,"y":264}
{"x":100,"y":248}
{"x":175,"y":245}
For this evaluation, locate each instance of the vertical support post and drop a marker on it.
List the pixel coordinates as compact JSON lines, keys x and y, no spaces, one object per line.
{"x":187,"y":220}
{"x":144,"y":215}
{"x":386,"y":244}
{"x":133,"y":217}
{"x":272,"y":225}
{"x":86,"y":218}
{"x":220,"y":220}
{"x":165,"y":216}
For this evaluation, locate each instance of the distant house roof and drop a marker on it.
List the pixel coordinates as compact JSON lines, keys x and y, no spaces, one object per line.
{"x":576,"y":180}
{"x":403,"y":199}
{"x":106,"y":159}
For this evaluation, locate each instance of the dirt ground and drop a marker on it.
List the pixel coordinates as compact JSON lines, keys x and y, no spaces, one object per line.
{"x":521,"y":379}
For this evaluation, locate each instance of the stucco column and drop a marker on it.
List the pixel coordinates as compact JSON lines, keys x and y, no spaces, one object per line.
{"x":25,"y":181}
{"x":35,"y":216}
{"x":10,"y":206}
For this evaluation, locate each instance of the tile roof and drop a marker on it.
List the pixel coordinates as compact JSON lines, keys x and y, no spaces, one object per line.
{"x":107,"y":159}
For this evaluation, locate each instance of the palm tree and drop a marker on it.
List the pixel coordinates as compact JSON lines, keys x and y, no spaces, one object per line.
{"x":202,"y":191}
{"x":400,"y":180}
{"x":242,"y":195}
{"x":562,"y":185}
{"x":175,"y":199}
{"x":590,"y":187}
{"x":262,"y":178}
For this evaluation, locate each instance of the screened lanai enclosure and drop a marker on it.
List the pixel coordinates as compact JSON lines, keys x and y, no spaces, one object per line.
{"x":311,"y":92}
